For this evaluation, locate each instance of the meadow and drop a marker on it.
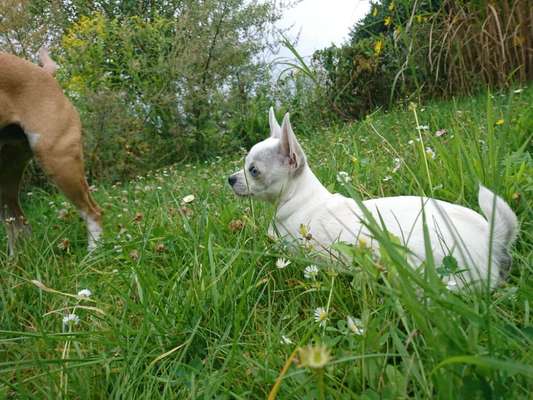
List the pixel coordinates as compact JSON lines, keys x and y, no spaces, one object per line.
{"x":186,"y":298}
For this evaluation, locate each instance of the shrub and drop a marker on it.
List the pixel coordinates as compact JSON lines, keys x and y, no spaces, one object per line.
{"x":156,"y":82}
{"x":406,"y":49}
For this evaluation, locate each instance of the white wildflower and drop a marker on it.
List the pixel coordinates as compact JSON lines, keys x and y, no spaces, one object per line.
{"x":85,"y":293}
{"x":71,"y":319}
{"x":311,"y":272}
{"x":321,"y":316}
{"x":282,"y":263}
{"x":387,"y":178}
{"x":422,"y":128}
{"x":441,"y":132}
{"x":518,"y":91}
{"x":355,"y":325}
{"x":430,"y":153}
{"x":285,"y":340}
{"x":343,"y":177}
{"x":397,"y":165}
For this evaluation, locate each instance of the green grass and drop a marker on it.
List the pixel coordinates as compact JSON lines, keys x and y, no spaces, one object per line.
{"x":185,"y":307}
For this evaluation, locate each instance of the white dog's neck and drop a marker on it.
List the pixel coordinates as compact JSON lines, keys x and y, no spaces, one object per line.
{"x":300,"y":190}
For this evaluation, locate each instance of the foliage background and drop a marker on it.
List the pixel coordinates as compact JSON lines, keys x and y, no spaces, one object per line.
{"x":155,"y":82}
{"x":164,"y":82}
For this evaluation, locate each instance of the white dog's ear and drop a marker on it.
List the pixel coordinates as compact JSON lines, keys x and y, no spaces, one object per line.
{"x":289,"y":145}
{"x":275,"y":129}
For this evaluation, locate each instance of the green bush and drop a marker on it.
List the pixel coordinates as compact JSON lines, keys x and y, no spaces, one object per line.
{"x":155,"y":83}
{"x":411,"y":49}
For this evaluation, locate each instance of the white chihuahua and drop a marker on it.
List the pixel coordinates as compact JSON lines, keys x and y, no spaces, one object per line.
{"x":276,"y":170}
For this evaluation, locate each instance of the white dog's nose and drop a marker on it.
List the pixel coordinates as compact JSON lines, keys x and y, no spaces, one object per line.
{"x":232,"y":179}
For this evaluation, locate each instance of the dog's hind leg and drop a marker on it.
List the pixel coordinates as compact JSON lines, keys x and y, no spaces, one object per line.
{"x":62,"y":161}
{"x":13,"y":160}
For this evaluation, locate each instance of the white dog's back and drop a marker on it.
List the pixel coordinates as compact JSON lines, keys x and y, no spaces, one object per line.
{"x":453,"y":229}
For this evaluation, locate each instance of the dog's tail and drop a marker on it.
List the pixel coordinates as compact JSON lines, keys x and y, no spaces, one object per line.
{"x":46,"y":61}
{"x":505,"y":227}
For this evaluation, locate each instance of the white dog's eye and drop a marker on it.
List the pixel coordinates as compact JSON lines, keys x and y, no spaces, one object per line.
{"x":253,"y":171}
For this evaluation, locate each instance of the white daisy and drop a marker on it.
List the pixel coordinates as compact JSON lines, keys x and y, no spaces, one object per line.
{"x":282,"y":263}
{"x":311,"y":272}
{"x":321,"y":316}
{"x":422,"y":128}
{"x":355,"y":325}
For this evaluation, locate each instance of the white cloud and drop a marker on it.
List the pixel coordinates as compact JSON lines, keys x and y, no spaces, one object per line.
{"x":320,"y":23}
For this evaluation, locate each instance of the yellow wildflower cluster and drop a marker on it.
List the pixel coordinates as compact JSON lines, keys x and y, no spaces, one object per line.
{"x":87,"y":26}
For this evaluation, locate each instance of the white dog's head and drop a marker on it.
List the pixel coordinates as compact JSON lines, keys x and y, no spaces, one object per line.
{"x":270,"y":164}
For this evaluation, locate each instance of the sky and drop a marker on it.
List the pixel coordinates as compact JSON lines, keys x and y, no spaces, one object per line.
{"x":319,"y":23}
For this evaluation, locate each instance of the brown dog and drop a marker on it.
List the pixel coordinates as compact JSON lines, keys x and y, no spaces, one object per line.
{"x":36,"y":119}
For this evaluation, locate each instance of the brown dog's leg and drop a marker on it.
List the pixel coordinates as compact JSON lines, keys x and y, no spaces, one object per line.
{"x":13,"y":160}
{"x":62,"y":161}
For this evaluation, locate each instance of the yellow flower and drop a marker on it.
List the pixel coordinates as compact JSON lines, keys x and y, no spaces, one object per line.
{"x":375,"y":12}
{"x":378,"y":46}
{"x":391,"y":6}
{"x":518,"y":41}
{"x":419,"y":18}
{"x":76,"y":83}
{"x":388,"y":21}
{"x":500,"y":122}
{"x":304,"y":231}
{"x":72,"y":41}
